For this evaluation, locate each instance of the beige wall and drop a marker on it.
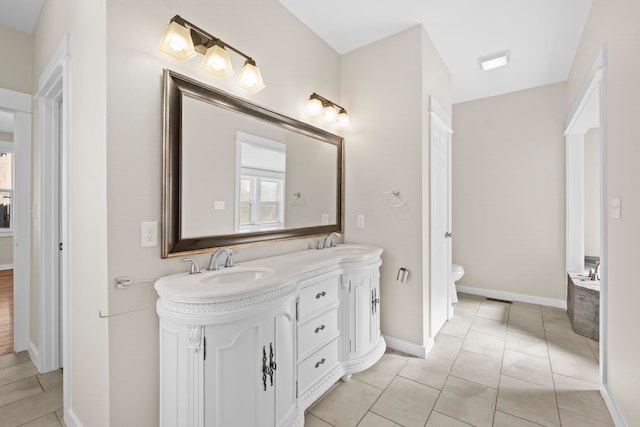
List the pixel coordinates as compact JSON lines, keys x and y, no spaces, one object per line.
{"x":6,"y":243}
{"x":16,"y":51}
{"x":509,"y":192}
{"x":85,"y":22}
{"x":592,"y":192}
{"x":280,"y":44}
{"x":616,"y":23}
{"x":386,"y":150}
{"x":6,"y":251}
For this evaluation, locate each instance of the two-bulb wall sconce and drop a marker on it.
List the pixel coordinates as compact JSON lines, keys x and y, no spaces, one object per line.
{"x":182,"y":40}
{"x":318,"y":106}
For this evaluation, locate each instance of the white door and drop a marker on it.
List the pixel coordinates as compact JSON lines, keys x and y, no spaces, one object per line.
{"x":365,"y":320}
{"x":440,"y":142}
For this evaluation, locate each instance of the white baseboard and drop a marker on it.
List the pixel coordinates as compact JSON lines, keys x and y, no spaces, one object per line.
{"x":509,"y":296}
{"x":34,"y":355}
{"x":70,"y":419}
{"x":616,"y":415}
{"x":6,"y":267}
{"x":408,"y":347}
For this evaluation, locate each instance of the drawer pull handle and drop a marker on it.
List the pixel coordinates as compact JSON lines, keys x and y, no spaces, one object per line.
{"x":320,"y":294}
{"x":320,"y":362}
{"x":319,"y":328}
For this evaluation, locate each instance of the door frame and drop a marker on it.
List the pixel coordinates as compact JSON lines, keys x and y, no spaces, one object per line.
{"x":53,"y":87}
{"x":436,"y":113}
{"x":20,"y":104}
{"x":581,"y":119}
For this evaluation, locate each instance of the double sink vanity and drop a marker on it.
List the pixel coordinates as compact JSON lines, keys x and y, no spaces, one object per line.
{"x":256,"y":344}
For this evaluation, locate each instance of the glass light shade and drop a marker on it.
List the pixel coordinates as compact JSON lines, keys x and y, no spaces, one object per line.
{"x":314,"y":107}
{"x":176,"y":41}
{"x":250,"y":78}
{"x":217,"y":62}
{"x":344,"y":121}
{"x":329,"y":113}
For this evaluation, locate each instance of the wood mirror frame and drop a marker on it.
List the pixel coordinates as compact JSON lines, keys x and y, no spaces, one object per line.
{"x":175,"y":86}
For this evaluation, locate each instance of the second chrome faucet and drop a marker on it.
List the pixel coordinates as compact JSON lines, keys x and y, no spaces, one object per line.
{"x":219,"y":255}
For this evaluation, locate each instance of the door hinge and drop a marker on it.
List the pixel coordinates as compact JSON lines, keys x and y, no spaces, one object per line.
{"x":297,"y":388}
{"x":60,"y":246}
{"x":349,"y":285}
{"x":204,"y":347}
{"x":297,"y":310}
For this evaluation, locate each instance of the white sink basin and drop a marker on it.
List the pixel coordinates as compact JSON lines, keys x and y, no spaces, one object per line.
{"x":236,"y":275}
{"x":350,"y":250}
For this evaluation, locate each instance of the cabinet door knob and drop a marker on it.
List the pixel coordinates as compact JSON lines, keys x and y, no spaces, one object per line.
{"x":320,"y":294}
{"x":319,"y":328}
{"x":320,"y":362}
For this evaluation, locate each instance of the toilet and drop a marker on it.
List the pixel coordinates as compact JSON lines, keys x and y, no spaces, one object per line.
{"x":456,"y":274}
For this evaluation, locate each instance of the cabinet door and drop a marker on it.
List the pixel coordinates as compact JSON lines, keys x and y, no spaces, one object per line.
{"x":365,"y":318}
{"x":284,"y":324}
{"x":249,"y":371}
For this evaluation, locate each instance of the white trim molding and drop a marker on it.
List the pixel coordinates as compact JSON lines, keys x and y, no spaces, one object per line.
{"x":512,"y":296}
{"x":408,"y":347}
{"x":614,"y":410}
{"x":6,"y":267}
{"x":55,"y":317}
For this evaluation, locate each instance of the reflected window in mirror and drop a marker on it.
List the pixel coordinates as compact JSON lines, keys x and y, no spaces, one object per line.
{"x":261,"y":175}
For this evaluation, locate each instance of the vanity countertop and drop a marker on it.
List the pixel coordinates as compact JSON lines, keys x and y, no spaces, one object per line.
{"x":264,"y":274}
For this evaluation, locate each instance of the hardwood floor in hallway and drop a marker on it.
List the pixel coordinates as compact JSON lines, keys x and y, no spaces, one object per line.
{"x":6,"y":311}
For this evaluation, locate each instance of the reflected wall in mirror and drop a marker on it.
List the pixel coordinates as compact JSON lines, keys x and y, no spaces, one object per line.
{"x":236,"y":173}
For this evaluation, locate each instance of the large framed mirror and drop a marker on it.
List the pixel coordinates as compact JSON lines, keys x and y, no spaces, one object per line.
{"x":236,"y":173}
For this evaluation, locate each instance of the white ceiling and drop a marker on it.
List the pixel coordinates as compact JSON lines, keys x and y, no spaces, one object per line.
{"x":21,"y":15}
{"x":542,"y":36}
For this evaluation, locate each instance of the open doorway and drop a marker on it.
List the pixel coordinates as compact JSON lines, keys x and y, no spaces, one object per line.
{"x":586,"y":211}
{"x":15,"y":213}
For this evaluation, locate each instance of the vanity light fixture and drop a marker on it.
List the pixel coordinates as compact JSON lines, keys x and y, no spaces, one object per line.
{"x":183,"y":40}
{"x":329,"y":110}
{"x":495,"y":60}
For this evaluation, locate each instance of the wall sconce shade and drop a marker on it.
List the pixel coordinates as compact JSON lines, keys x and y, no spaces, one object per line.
{"x":176,"y":41}
{"x":183,"y":40}
{"x":344,"y":121}
{"x":217,"y":62}
{"x":329,"y":114}
{"x":314,"y":107}
{"x":250,"y":77}
{"x":330,"y":111}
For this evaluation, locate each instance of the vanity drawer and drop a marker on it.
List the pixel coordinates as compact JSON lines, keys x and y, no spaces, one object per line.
{"x":317,"y":332}
{"x":317,"y":366}
{"x":316,"y":297}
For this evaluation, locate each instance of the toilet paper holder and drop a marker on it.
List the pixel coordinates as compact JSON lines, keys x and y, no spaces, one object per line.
{"x":403,"y":275}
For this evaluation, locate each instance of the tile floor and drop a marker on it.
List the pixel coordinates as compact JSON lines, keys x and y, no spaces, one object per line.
{"x":493,"y":364}
{"x":26,"y":397}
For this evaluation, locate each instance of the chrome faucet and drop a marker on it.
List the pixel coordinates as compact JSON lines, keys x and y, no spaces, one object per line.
{"x":330,"y":241}
{"x":215,"y":258}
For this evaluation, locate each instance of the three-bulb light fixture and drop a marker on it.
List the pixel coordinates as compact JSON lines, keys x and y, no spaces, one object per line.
{"x":183,"y":40}
{"x":318,"y":106}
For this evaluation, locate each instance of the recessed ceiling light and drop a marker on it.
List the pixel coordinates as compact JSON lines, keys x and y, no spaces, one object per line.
{"x":495,"y":60}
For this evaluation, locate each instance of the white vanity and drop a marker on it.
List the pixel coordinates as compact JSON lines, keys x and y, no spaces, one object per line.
{"x":257,"y":344}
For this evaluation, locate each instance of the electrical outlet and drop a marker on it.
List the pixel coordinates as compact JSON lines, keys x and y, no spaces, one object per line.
{"x":360,"y":221}
{"x":148,"y":233}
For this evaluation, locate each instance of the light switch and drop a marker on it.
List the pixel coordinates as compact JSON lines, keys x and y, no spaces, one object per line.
{"x":616,"y":208}
{"x":360,"y":221}
{"x":218,"y":205}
